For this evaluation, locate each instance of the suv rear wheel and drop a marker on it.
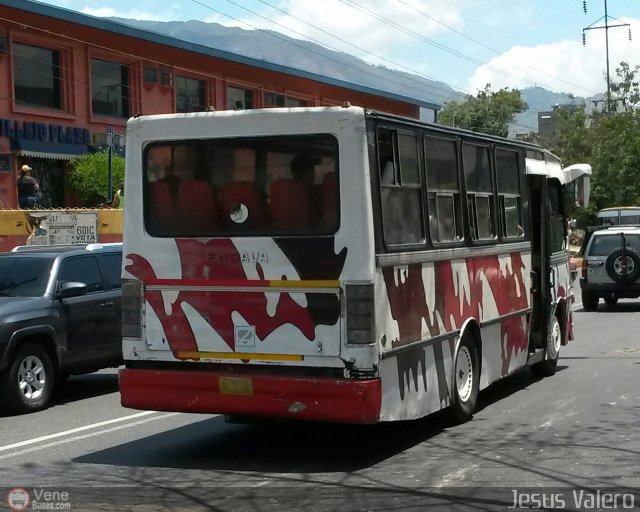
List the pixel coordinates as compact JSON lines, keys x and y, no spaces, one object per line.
{"x":610,"y":300}
{"x":589,"y":300}
{"x":28,"y":382}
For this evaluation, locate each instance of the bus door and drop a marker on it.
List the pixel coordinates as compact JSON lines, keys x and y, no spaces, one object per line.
{"x":540,"y":257}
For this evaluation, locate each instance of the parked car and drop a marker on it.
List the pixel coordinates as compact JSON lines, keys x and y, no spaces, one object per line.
{"x":60,"y":309}
{"x":611,"y":266}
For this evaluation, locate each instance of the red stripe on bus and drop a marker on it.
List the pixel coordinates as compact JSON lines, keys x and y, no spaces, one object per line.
{"x":305,"y":398}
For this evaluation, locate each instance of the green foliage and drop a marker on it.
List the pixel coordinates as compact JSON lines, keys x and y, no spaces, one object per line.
{"x":616,"y":159}
{"x":89,"y":177}
{"x":625,"y":93}
{"x":610,"y":142}
{"x":488,"y":112}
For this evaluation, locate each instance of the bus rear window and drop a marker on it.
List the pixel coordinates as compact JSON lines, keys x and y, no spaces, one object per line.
{"x":270,"y":186}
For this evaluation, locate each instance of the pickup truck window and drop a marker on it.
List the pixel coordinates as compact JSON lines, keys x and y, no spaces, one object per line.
{"x":83,"y":269}
{"x":24,"y":276}
{"x":112,"y":264}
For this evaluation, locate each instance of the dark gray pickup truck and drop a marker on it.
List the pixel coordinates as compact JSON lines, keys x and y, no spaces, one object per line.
{"x":60,"y":309}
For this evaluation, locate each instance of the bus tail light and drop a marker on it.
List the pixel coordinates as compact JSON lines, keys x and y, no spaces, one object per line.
{"x":360,"y":314}
{"x":132,"y":295}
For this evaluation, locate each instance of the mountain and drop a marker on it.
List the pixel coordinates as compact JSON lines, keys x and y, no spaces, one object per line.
{"x":307,"y":56}
{"x":304,"y":55}
{"x":540,"y":99}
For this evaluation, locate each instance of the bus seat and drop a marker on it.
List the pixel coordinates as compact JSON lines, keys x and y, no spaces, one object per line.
{"x":246,"y":193}
{"x":161,"y":206}
{"x":330,"y":203}
{"x":196,"y":207}
{"x":289,"y":205}
{"x":318,"y":197}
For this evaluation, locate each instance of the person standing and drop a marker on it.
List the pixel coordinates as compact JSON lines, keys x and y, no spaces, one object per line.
{"x":27,"y":188}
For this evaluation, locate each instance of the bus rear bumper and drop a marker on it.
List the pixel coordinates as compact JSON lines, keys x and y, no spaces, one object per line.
{"x":311,"y":398}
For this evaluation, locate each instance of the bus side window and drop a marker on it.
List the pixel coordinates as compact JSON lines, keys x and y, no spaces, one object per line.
{"x":477,"y":174}
{"x":443,"y":190}
{"x":400,"y":187}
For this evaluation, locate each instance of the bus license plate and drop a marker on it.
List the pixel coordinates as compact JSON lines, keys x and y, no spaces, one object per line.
{"x":236,"y":386}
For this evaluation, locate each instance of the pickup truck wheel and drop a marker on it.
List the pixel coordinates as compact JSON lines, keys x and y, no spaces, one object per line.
{"x":29,"y":380}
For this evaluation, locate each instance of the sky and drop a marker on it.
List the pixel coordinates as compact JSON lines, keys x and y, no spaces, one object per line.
{"x":466,"y":44}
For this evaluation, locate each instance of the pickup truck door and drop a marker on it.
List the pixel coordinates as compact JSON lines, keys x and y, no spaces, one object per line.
{"x":88,"y":318}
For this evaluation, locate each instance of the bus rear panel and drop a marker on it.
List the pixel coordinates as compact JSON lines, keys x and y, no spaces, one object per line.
{"x":235,"y":263}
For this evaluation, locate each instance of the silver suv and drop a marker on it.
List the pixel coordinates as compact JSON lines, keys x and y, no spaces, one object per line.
{"x":611,"y":266}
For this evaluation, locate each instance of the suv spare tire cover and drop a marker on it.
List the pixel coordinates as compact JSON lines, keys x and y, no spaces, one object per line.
{"x":632,"y":273}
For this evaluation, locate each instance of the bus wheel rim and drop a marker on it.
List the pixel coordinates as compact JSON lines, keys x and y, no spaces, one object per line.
{"x":464,"y":374}
{"x":555,"y":340}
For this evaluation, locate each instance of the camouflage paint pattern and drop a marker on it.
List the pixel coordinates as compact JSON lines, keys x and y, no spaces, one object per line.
{"x":421,"y":301}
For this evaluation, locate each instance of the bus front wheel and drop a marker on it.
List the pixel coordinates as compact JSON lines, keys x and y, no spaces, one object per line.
{"x":547,"y":367}
{"x":466,"y":380}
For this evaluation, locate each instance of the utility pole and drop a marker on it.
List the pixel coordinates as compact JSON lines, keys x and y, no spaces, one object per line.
{"x":606,"y":28}
{"x":110,"y":134}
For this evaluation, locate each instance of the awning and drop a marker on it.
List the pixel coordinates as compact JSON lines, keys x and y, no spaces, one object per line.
{"x":48,"y":150}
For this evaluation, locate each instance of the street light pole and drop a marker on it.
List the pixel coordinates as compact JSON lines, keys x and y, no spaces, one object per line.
{"x":110,"y":160}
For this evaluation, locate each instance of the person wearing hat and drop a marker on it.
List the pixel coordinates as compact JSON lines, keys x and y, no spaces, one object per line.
{"x":27,"y":188}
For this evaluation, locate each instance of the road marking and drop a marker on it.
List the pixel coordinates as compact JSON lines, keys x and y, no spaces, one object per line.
{"x":86,"y":436}
{"x":74,"y":430}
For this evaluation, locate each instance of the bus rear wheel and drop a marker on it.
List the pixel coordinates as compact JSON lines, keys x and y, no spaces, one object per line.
{"x":466,"y":380}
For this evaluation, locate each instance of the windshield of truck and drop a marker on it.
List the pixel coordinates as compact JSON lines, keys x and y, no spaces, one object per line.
{"x":285,"y":185}
{"x":24,"y":276}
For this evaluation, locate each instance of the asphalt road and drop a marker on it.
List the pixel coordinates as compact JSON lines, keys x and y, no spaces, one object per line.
{"x":563,"y":440}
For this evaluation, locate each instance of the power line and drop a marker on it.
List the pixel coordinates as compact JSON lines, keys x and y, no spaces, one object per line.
{"x":430,"y":42}
{"x":422,"y":13}
{"x":323,"y":55}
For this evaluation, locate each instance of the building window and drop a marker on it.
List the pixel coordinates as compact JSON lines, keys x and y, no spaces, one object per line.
{"x":190,"y":94}
{"x":274,"y":100}
{"x":109,"y":88}
{"x":150,"y":75}
{"x":36,"y":76}
{"x":238,"y":99}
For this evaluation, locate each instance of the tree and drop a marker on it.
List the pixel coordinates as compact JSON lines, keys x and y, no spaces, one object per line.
{"x":89,"y":178}
{"x":616,"y":159}
{"x":625,"y":94}
{"x":488,"y":112}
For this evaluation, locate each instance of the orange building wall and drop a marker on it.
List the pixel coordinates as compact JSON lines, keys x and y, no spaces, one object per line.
{"x":79,"y":43}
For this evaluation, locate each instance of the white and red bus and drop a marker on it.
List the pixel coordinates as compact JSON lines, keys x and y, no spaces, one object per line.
{"x":337,"y":264}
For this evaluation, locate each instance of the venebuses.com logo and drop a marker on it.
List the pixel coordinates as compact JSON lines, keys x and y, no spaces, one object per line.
{"x":38,"y":499}
{"x":18,"y":499}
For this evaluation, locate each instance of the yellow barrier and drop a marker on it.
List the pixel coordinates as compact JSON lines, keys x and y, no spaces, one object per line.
{"x":16,"y":226}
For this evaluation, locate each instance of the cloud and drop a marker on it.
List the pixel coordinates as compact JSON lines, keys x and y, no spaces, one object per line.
{"x":563,"y":66}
